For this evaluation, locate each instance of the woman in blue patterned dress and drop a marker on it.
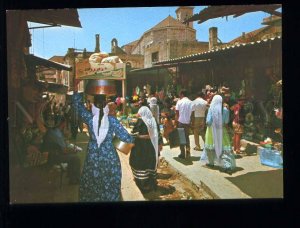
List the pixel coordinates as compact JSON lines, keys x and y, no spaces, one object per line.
{"x":217,"y":147}
{"x":101,"y":175}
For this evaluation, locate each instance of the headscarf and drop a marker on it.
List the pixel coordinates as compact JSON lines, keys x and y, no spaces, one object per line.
{"x":153,"y":101}
{"x":104,"y":123}
{"x":217,"y":123}
{"x":154,"y":108}
{"x":150,"y":122}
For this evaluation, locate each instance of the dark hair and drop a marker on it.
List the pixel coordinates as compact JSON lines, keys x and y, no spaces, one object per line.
{"x":213,"y":90}
{"x":143,"y":102}
{"x":100,"y":101}
{"x":183,"y":92}
{"x":200,"y":94}
{"x":101,"y":114}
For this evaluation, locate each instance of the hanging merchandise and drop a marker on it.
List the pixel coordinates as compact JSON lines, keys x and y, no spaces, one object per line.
{"x":137,"y":90}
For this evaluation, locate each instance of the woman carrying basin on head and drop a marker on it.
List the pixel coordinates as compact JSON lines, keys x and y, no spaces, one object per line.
{"x":101,"y":175}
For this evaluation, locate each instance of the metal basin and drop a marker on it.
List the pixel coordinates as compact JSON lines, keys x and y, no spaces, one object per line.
{"x":123,"y":147}
{"x":95,"y":87}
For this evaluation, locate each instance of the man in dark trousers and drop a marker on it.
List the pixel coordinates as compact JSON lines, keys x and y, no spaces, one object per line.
{"x":54,"y":143}
{"x":184,"y":108}
{"x":76,"y":122}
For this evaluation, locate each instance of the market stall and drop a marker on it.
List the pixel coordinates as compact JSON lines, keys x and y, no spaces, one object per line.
{"x":101,"y":73}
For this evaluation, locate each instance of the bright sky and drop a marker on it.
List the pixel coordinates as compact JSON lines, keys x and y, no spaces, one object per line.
{"x":127,"y":25}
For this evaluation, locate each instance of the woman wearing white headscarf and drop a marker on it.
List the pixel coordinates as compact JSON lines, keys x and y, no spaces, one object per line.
{"x":101,"y":175}
{"x":144,"y":155}
{"x":154,"y":108}
{"x":217,"y":148}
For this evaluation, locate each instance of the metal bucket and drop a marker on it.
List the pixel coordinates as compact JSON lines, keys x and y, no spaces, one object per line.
{"x":121,"y":146}
{"x":95,"y":87}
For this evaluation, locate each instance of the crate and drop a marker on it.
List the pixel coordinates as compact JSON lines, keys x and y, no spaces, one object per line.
{"x":269,"y":157}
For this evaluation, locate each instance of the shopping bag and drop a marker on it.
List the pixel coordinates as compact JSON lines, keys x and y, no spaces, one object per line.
{"x":177,"y":138}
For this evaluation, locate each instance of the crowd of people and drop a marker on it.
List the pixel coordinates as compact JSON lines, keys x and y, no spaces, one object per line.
{"x":204,"y":114}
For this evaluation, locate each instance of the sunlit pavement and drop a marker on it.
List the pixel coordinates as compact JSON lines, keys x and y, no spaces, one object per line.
{"x":250,"y":180}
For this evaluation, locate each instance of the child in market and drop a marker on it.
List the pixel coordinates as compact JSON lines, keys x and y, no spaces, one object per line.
{"x":168,"y":126}
{"x":237,"y":124}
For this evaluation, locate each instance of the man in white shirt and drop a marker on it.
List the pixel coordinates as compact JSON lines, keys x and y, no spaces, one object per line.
{"x":198,"y":122}
{"x":183,"y":120}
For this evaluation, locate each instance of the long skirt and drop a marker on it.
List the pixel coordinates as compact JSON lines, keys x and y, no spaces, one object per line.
{"x":226,"y":160}
{"x":143,"y":163}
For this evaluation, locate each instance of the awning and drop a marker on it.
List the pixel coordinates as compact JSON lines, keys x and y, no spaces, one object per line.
{"x":38,"y":61}
{"x":211,"y":12}
{"x":220,"y":51}
{"x":150,"y":71}
{"x":68,"y":17}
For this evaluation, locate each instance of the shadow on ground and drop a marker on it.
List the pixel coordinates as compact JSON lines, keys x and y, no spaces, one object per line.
{"x":163,"y":176}
{"x":236,"y":169}
{"x":41,"y":184}
{"x":194,"y":158}
{"x":160,"y":191}
{"x":238,"y":156}
{"x":262,"y":184}
{"x":183,"y":161}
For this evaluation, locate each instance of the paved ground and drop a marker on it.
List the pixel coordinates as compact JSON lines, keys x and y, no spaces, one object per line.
{"x":251,"y":179}
{"x":41,"y":185}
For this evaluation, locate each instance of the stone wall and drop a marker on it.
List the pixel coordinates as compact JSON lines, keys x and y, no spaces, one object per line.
{"x":178,"y":49}
{"x":136,"y":61}
{"x":158,"y":36}
{"x":173,"y":49}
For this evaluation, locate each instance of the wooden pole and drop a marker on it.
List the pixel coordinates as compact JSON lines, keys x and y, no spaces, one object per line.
{"x":124,"y":84}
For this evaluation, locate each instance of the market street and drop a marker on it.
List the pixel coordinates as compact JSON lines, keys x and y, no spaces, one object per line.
{"x":251,"y":180}
{"x":223,"y":86}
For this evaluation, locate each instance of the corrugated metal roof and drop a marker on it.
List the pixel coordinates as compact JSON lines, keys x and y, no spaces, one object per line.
{"x":217,"y":50}
{"x":38,"y":61}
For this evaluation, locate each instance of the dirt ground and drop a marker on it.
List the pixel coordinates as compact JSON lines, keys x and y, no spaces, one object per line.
{"x":173,"y":186}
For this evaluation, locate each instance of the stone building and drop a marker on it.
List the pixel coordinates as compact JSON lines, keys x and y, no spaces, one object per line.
{"x":272,"y":29}
{"x":132,"y":60}
{"x":168,"y":39}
